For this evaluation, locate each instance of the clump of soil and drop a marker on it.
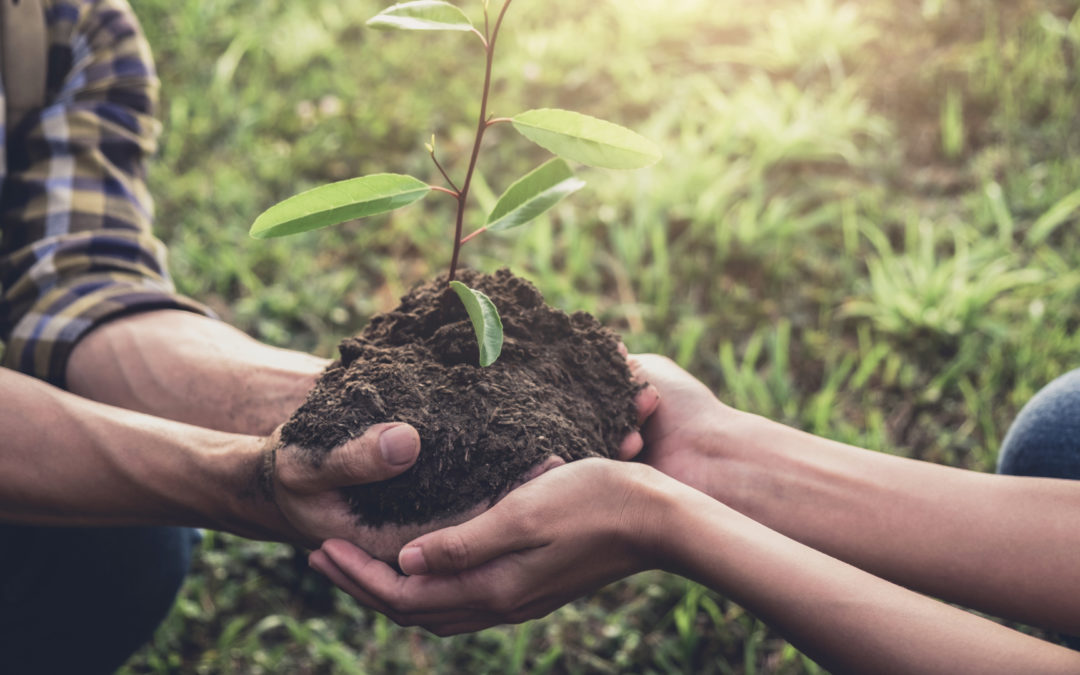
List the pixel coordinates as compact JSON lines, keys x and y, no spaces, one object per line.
{"x":560,"y":388}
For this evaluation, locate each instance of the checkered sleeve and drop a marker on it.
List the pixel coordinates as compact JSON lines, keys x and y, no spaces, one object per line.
{"x":77,"y":248}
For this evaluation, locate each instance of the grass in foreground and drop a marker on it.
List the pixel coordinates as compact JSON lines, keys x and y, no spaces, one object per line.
{"x":864,"y":226}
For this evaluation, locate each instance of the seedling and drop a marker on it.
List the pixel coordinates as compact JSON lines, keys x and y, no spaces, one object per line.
{"x":568,"y":135}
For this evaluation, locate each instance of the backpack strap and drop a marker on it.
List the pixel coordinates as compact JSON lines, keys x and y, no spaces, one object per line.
{"x":24,"y":57}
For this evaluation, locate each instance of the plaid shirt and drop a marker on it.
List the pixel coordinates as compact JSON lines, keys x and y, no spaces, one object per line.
{"x":75,"y":214}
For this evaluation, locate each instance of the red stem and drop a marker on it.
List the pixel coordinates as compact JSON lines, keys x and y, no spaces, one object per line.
{"x":481,"y":126}
{"x":480,"y":231}
{"x":481,"y":36}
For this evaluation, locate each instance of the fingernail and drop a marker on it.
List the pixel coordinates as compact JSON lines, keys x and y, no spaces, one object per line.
{"x":399,"y":445}
{"x":411,"y":560}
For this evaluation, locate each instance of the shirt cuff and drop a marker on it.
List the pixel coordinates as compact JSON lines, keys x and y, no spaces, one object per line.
{"x":43,"y":339}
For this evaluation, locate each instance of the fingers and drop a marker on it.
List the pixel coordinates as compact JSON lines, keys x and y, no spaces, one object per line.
{"x":373,"y":584}
{"x":647,"y":401}
{"x":384,"y":451}
{"x":325,"y":565}
{"x":631,"y":446}
{"x":455,"y":549}
{"x":426,"y":600}
{"x":444,"y":605}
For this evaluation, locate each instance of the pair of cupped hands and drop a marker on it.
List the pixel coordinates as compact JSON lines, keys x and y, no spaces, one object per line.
{"x":566,"y":531}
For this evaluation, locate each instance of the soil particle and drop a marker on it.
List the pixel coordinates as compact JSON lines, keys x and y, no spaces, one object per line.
{"x":559,"y":387}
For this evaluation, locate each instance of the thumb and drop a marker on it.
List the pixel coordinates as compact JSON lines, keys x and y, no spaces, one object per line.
{"x":382,"y":452}
{"x":490,"y":535}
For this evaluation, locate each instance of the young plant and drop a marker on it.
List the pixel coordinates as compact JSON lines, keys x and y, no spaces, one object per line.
{"x":569,"y":135}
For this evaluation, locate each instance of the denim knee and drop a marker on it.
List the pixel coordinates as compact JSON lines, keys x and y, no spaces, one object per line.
{"x":83,"y":600}
{"x":1044,"y":440}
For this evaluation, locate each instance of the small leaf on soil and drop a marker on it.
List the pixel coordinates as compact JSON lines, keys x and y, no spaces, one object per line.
{"x":485,"y":320}
{"x":339,"y":202}
{"x":533,"y":194}
{"x":586,"y":139}
{"x":422,"y":15}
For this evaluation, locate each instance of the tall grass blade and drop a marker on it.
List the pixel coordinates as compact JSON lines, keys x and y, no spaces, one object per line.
{"x":1055,"y":216}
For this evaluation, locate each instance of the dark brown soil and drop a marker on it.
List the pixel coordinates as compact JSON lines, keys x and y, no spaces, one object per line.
{"x":560,"y":388}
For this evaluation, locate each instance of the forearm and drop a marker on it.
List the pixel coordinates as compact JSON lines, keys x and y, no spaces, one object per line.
{"x":65,"y":460}
{"x":186,"y":367}
{"x":843,"y":617}
{"x":1004,"y":545}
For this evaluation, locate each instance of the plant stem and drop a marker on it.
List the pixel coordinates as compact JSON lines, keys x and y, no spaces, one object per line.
{"x":480,"y":231}
{"x":445,"y":176}
{"x":481,"y":126}
{"x":481,"y":36}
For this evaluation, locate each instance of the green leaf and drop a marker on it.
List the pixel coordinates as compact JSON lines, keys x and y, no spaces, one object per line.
{"x":485,"y":320}
{"x":533,"y":194}
{"x":586,"y":139}
{"x":338,"y":202}
{"x":422,"y":15}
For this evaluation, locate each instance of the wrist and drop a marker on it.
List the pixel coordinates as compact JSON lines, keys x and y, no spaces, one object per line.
{"x":708,"y":452}
{"x":246,"y":507}
{"x":656,"y":515}
{"x":736,"y":449}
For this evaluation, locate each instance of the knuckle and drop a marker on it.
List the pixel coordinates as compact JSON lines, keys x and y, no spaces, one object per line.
{"x":355,"y":461}
{"x":344,"y":464}
{"x":455,"y":550}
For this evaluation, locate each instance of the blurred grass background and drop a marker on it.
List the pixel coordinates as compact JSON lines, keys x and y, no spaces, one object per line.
{"x":865,"y":225}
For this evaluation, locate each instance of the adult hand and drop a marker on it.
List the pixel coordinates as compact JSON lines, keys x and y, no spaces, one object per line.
{"x":684,"y":435}
{"x":306,"y":490}
{"x":113,"y":467}
{"x":323,"y":513}
{"x":646,"y":401}
{"x":570,"y":531}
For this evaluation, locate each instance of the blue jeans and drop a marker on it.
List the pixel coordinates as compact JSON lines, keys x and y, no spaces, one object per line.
{"x":83,"y":600}
{"x":1044,"y":440}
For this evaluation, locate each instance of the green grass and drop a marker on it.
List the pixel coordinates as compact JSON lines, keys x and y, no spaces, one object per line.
{"x":865,"y":225}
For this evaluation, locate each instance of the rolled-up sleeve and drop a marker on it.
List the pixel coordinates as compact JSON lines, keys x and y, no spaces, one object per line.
{"x":77,"y":248}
